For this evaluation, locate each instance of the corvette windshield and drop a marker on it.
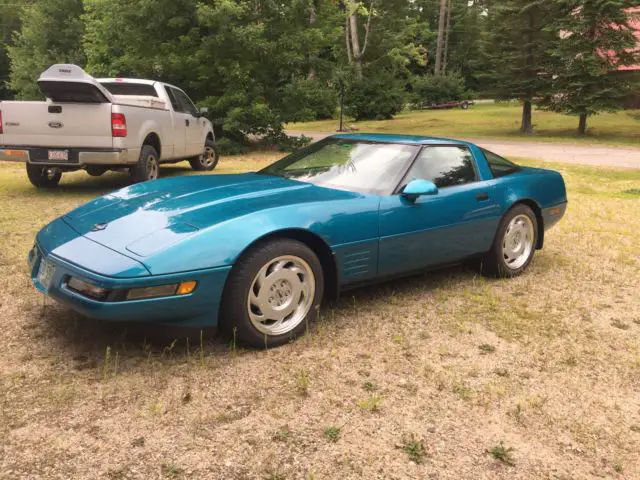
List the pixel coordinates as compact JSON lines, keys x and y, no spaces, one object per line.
{"x":347,"y":165}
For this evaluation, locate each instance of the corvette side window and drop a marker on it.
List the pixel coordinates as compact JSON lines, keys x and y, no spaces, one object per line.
{"x":499,"y":166}
{"x":444,"y":165}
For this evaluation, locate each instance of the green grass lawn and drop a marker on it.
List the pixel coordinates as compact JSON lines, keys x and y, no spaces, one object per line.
{"x":496,"y":121}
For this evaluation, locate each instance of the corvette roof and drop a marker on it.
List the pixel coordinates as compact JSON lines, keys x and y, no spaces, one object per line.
{"x":393,"y":138}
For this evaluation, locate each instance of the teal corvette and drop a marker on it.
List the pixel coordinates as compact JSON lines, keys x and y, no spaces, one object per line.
{"x":257,"y":252}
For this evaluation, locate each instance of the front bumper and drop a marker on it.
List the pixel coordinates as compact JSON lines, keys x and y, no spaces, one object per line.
{"x":197,"y":309}
{"x":78,"y":157}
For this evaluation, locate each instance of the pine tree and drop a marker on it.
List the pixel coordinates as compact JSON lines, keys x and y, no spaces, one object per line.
{"x":593,"y":39}
{"x":516,"y":52}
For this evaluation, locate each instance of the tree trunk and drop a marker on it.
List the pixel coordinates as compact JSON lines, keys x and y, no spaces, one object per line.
{"x":446,"y":38}
{"x":527,"y":126}
{"x":582,"y":125}
{"x":347,"y":39}
{"x":440,"y":41}
{"x":312,"y":21}
{"x":355,"y":44}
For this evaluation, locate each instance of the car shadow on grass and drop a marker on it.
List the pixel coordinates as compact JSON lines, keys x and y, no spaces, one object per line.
{"x":78,"y":338}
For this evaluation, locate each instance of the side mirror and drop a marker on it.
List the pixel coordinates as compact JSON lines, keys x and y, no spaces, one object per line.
{"x":418,"y":187}
{"x":204,"y":111}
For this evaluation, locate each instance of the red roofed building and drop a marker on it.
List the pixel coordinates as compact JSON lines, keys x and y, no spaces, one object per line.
{"x":634,"y":100}
{"x":634,"y":22}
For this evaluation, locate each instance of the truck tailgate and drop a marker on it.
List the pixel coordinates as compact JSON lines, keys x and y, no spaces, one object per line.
{"x":45,"y":124}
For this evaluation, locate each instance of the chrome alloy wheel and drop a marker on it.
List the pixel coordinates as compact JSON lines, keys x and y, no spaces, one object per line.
{"x":153,"y":169}
{"x":281,"y":295}
{"x":517,"y":243}
{"x":209,"y":157}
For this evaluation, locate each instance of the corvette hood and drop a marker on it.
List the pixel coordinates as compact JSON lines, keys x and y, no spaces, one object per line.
{"x":145,"y":218}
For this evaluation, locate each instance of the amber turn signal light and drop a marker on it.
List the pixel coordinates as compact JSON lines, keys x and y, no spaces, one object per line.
{"x":186,"y":287}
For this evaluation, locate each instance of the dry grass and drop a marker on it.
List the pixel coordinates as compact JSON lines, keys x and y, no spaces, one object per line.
{"x":448,"y":375}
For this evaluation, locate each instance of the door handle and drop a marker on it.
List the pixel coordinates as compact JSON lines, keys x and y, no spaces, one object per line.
{"x":186,"y":122}
{"x":482,"y":197}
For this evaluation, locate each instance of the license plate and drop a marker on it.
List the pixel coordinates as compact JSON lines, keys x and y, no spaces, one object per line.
{"x":45,"y":274}
{"x":59,"y":155}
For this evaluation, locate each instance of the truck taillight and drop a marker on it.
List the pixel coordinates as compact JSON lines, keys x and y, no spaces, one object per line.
{"x":1,"y":131}
{"x":118,"y":125}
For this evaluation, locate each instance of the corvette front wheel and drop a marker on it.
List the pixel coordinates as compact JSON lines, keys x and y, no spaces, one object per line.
{"x":273,"y":293}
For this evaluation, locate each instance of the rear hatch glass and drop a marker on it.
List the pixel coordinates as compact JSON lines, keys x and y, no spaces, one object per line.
{"x":71,"y":92}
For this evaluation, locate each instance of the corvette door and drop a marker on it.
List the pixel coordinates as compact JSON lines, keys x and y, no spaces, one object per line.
{"x":457,"y":222}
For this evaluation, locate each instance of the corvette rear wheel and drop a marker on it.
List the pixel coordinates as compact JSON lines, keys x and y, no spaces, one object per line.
{"x":514,"y":245}
{"x":273,"y":293}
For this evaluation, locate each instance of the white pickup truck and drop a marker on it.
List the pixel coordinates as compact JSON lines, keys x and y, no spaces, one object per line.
{"x":104,"y":124}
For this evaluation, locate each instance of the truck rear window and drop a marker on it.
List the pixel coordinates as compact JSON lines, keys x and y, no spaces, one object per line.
{"x":118,"y":88}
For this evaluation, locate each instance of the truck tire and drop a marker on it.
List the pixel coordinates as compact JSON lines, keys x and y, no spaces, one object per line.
{"x":208,"y":160}
{"x":148,"y":166}
{"x":43,"y":177}
{"x":95,"y":170}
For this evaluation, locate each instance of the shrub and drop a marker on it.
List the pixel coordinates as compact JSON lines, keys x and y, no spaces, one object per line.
{"x":378,"y":97}
{"x":285,"y":143}
{"x":430,"y":89}
{"x":306,"y":100}
{"x":229,"y":146}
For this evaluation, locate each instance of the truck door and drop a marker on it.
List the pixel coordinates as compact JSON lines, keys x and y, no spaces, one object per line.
{"x":194,"y":126}
{"x":181,"y":121}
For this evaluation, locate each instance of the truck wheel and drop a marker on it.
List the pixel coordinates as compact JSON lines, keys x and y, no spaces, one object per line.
{"x":464,"y":105}
{"x":148,"y":167}
{"x":43,"y":177}
{"x":95,"y":170}
{"x":208,"y":160}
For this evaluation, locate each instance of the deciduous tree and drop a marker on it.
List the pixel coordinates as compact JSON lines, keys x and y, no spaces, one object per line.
{"x":51,"y":32}
{"x":9,"y":23}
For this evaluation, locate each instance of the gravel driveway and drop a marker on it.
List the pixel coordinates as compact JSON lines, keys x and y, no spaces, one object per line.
{"x":600,"y":155}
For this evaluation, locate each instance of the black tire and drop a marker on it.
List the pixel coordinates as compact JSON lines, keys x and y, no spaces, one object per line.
{"x":43,"y":177}
{"x":208,"y":160}
{"x":464,"y":105}
{"x":494,"y":263}
{"x":148,"y":166}
{"x":95,"y":170}
{"x":235,"y":318}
